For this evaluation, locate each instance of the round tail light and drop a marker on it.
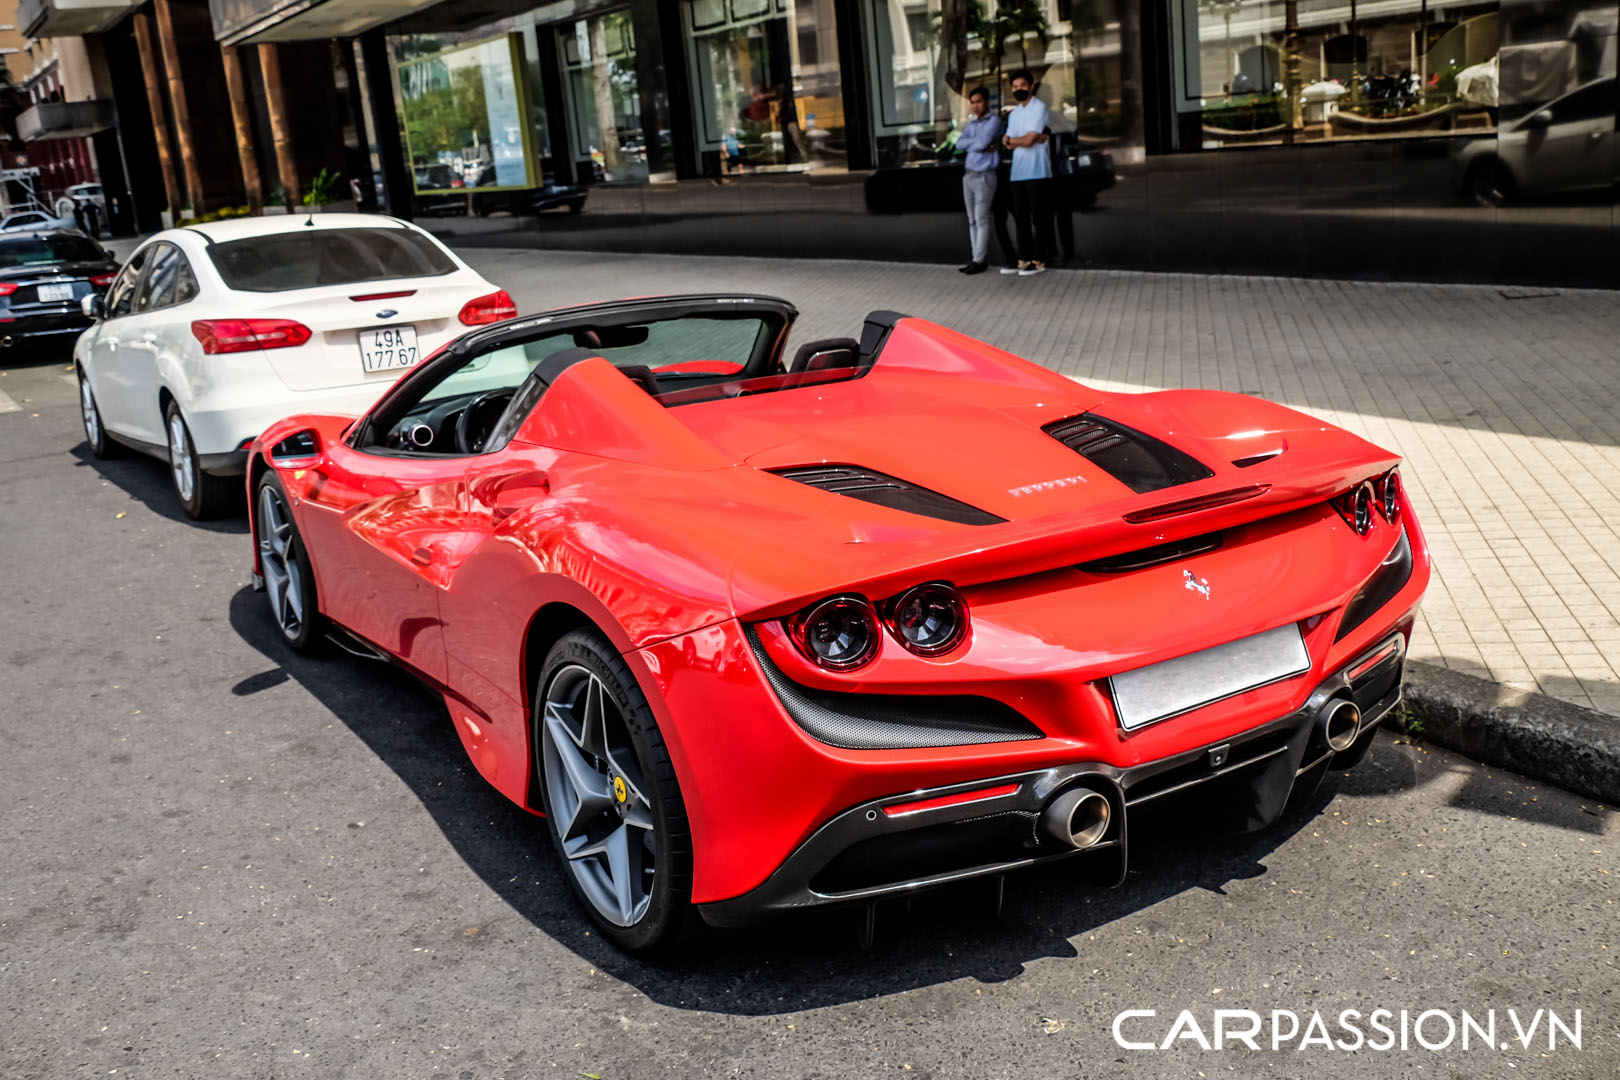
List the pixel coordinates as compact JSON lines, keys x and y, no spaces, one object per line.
{"x":839,"y":633}
{"x":1389,"y":495}
{"x":929,"y":619}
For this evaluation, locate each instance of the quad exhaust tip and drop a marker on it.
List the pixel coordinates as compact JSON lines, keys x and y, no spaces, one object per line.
{"x":1341,"y":721}
{"x":1078,"y":818}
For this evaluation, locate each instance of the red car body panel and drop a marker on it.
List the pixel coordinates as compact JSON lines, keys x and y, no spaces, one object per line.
{"x":661,"y":527}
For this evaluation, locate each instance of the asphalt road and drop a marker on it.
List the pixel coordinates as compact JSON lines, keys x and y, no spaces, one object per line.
{"x":221,"y":860}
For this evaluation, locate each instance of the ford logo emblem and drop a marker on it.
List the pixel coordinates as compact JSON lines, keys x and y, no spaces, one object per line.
{"x":387,"y":313}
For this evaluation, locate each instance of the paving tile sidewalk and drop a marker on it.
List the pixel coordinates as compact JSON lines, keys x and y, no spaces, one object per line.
{"x":1504,"y":401}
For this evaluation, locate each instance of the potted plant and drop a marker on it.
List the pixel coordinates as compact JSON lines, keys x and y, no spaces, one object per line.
{"x":321,"y":194}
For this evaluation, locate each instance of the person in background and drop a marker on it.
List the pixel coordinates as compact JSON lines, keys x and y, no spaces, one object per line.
{"x":1031,"y":176}
{"x":980,"y":139}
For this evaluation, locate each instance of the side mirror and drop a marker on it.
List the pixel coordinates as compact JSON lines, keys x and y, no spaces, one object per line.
{"x":93,"y":307}
{"x":1542,"y":119}
{"x":300,"y":447}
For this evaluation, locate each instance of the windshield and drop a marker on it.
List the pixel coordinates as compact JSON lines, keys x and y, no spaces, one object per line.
{"x":45,"y":250}
{"x":306,"y":260}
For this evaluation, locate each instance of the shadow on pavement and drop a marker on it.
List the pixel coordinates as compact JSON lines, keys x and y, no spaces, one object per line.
{"x":146,"y":480}
{"x":792,"y":963}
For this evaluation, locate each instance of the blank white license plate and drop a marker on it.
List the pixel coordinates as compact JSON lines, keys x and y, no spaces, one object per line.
{"x":388,"y":348}
{"x":1083,"y":161}
{"x":47,"y":293}
{"x":1172,"y":687}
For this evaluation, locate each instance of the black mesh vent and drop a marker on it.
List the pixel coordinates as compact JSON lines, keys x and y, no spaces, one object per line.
{"x":893,"y":721}
{"x":883,"y":490}
{"x":1143,"y":558}
{"x":1390,"y":577}
{"x":1140,"y":462}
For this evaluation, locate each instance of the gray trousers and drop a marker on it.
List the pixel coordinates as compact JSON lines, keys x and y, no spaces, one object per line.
{"x":978,"y":189}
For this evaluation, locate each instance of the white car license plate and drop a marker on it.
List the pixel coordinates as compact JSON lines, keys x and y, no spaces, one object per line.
{"x":1083,"y":161}
{"x":1184,"y":683}
{"x":388,"y":348}
{"x":48,"y":293}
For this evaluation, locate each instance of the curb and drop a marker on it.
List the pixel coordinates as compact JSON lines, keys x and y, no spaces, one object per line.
{"x":1532,"y":734}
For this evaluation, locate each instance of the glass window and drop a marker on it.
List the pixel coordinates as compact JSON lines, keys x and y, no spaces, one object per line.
{"x":158,"y":265}
{"x":169,"y":281}
{"x":300,"y":260}
{"x":768,"y":90}
{"x":925,"y":60}
{"x":465,"y":117}
{"x":121,"y":296}
{"x":599,"y":72}
{"x":44,"y":250}
{"x":1377,"y":69}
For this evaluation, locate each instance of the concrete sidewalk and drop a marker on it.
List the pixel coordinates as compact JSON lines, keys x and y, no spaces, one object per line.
{"x":1505,"y":403}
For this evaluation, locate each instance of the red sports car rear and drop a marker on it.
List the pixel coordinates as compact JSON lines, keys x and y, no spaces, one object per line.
{"x":759,"y":633}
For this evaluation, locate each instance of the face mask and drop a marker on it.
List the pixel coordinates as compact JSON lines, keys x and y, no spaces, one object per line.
{"x":1020,"y":95}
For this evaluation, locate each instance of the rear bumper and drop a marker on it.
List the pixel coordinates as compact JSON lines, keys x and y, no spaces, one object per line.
{"x":226,"y":421}
{"x":900,"y":844}
{"x":36,"y":327}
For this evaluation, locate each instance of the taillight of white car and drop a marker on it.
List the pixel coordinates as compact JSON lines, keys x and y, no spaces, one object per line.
{"x":248,"y":335}
{"x":484,"y":310}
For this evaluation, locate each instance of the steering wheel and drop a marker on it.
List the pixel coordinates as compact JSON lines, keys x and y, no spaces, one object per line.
{"x":479,"y":417}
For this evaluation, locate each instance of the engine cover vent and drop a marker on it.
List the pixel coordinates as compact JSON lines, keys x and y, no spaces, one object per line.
{"x":881,"y":489}
{"x":1140,"y":462}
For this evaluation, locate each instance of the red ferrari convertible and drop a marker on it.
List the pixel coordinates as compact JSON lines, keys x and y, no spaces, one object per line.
{"x":756,"y":631}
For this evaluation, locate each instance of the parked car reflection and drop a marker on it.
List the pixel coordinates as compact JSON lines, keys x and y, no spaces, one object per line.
{"x":1565,"y":146}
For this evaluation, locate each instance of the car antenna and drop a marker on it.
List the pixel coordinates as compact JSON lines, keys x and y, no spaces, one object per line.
{"x":310,"y":221}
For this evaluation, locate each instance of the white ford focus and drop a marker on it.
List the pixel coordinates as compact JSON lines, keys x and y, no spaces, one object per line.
{"x":212,"y":332}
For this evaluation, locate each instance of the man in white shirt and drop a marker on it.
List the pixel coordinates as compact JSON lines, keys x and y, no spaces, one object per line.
{"x":1031,"y":176}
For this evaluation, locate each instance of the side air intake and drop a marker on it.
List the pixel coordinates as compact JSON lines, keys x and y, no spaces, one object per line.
{"x":1140,"y":462}
{"x":881,"y":489}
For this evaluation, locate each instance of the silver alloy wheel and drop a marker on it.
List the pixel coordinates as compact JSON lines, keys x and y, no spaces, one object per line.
{"x":595,"y":795}
{"x":180,"y":463}
{"x":87,"y":405}
{"x":283,"y":581}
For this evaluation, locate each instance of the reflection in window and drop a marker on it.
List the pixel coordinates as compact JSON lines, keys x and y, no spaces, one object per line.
{"x":925,"y":61}
{"x":1338,"y":70}
{"x":599,"y":64}
{"x":768,"y":95}
{"x":465,"y":118}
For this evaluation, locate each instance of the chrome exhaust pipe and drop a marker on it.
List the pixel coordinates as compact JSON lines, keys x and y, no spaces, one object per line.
{"x":6,"y":342}
{"x":1341,"y":722}
{"x":1078,"y":818}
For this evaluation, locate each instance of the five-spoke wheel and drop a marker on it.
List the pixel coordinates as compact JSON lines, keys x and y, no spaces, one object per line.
{"x":289,"y":581}
{"x":611,"y":796}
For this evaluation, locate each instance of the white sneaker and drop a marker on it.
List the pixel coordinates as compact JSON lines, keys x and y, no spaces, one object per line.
{"x":1019,"y":269}
{"x":1031,"y":270}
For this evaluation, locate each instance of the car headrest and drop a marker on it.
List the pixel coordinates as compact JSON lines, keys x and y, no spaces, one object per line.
{"x":642,"y":374}
{"x":826,"y":353}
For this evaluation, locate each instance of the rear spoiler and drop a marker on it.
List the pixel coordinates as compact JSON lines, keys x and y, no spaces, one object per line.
{"x":1305,"y":477}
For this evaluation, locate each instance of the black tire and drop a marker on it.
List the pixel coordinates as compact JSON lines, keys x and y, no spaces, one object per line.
{"x":669,"y":917}
{"x":102,"y":445}
{"x":308,"y":633}
{"x":576,"y":206}
{"x":210,"y":496}
{"x":1489,"y":183}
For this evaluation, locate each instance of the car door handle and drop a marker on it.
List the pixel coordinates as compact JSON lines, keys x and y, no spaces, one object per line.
{"x":421,"y":556}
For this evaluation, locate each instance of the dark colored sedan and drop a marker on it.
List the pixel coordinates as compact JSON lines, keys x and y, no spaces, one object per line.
{"x":44,"y":277}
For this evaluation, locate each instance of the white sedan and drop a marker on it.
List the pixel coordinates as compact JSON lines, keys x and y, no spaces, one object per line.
{"x":212,"y":332}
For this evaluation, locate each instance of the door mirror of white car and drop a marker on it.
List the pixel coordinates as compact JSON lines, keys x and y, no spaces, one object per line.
{"x":1542,"y":119}
{"x":93,"y":307}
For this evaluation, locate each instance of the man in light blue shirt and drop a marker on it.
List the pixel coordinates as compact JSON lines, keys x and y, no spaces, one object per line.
{"x":1031,"y":176}
{"x":981,"y":139}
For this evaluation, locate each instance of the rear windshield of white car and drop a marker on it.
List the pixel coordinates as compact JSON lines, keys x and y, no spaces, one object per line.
{"x":45,"y":250}
{"x":308,"y":260}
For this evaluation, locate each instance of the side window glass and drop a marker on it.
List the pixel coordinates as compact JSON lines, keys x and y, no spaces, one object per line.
{"x":121,"y":297}
{"x":170,"y":281}
{"x":185,"y":282}
{"x":1595,"y":101}
{"x":159,"y":265}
